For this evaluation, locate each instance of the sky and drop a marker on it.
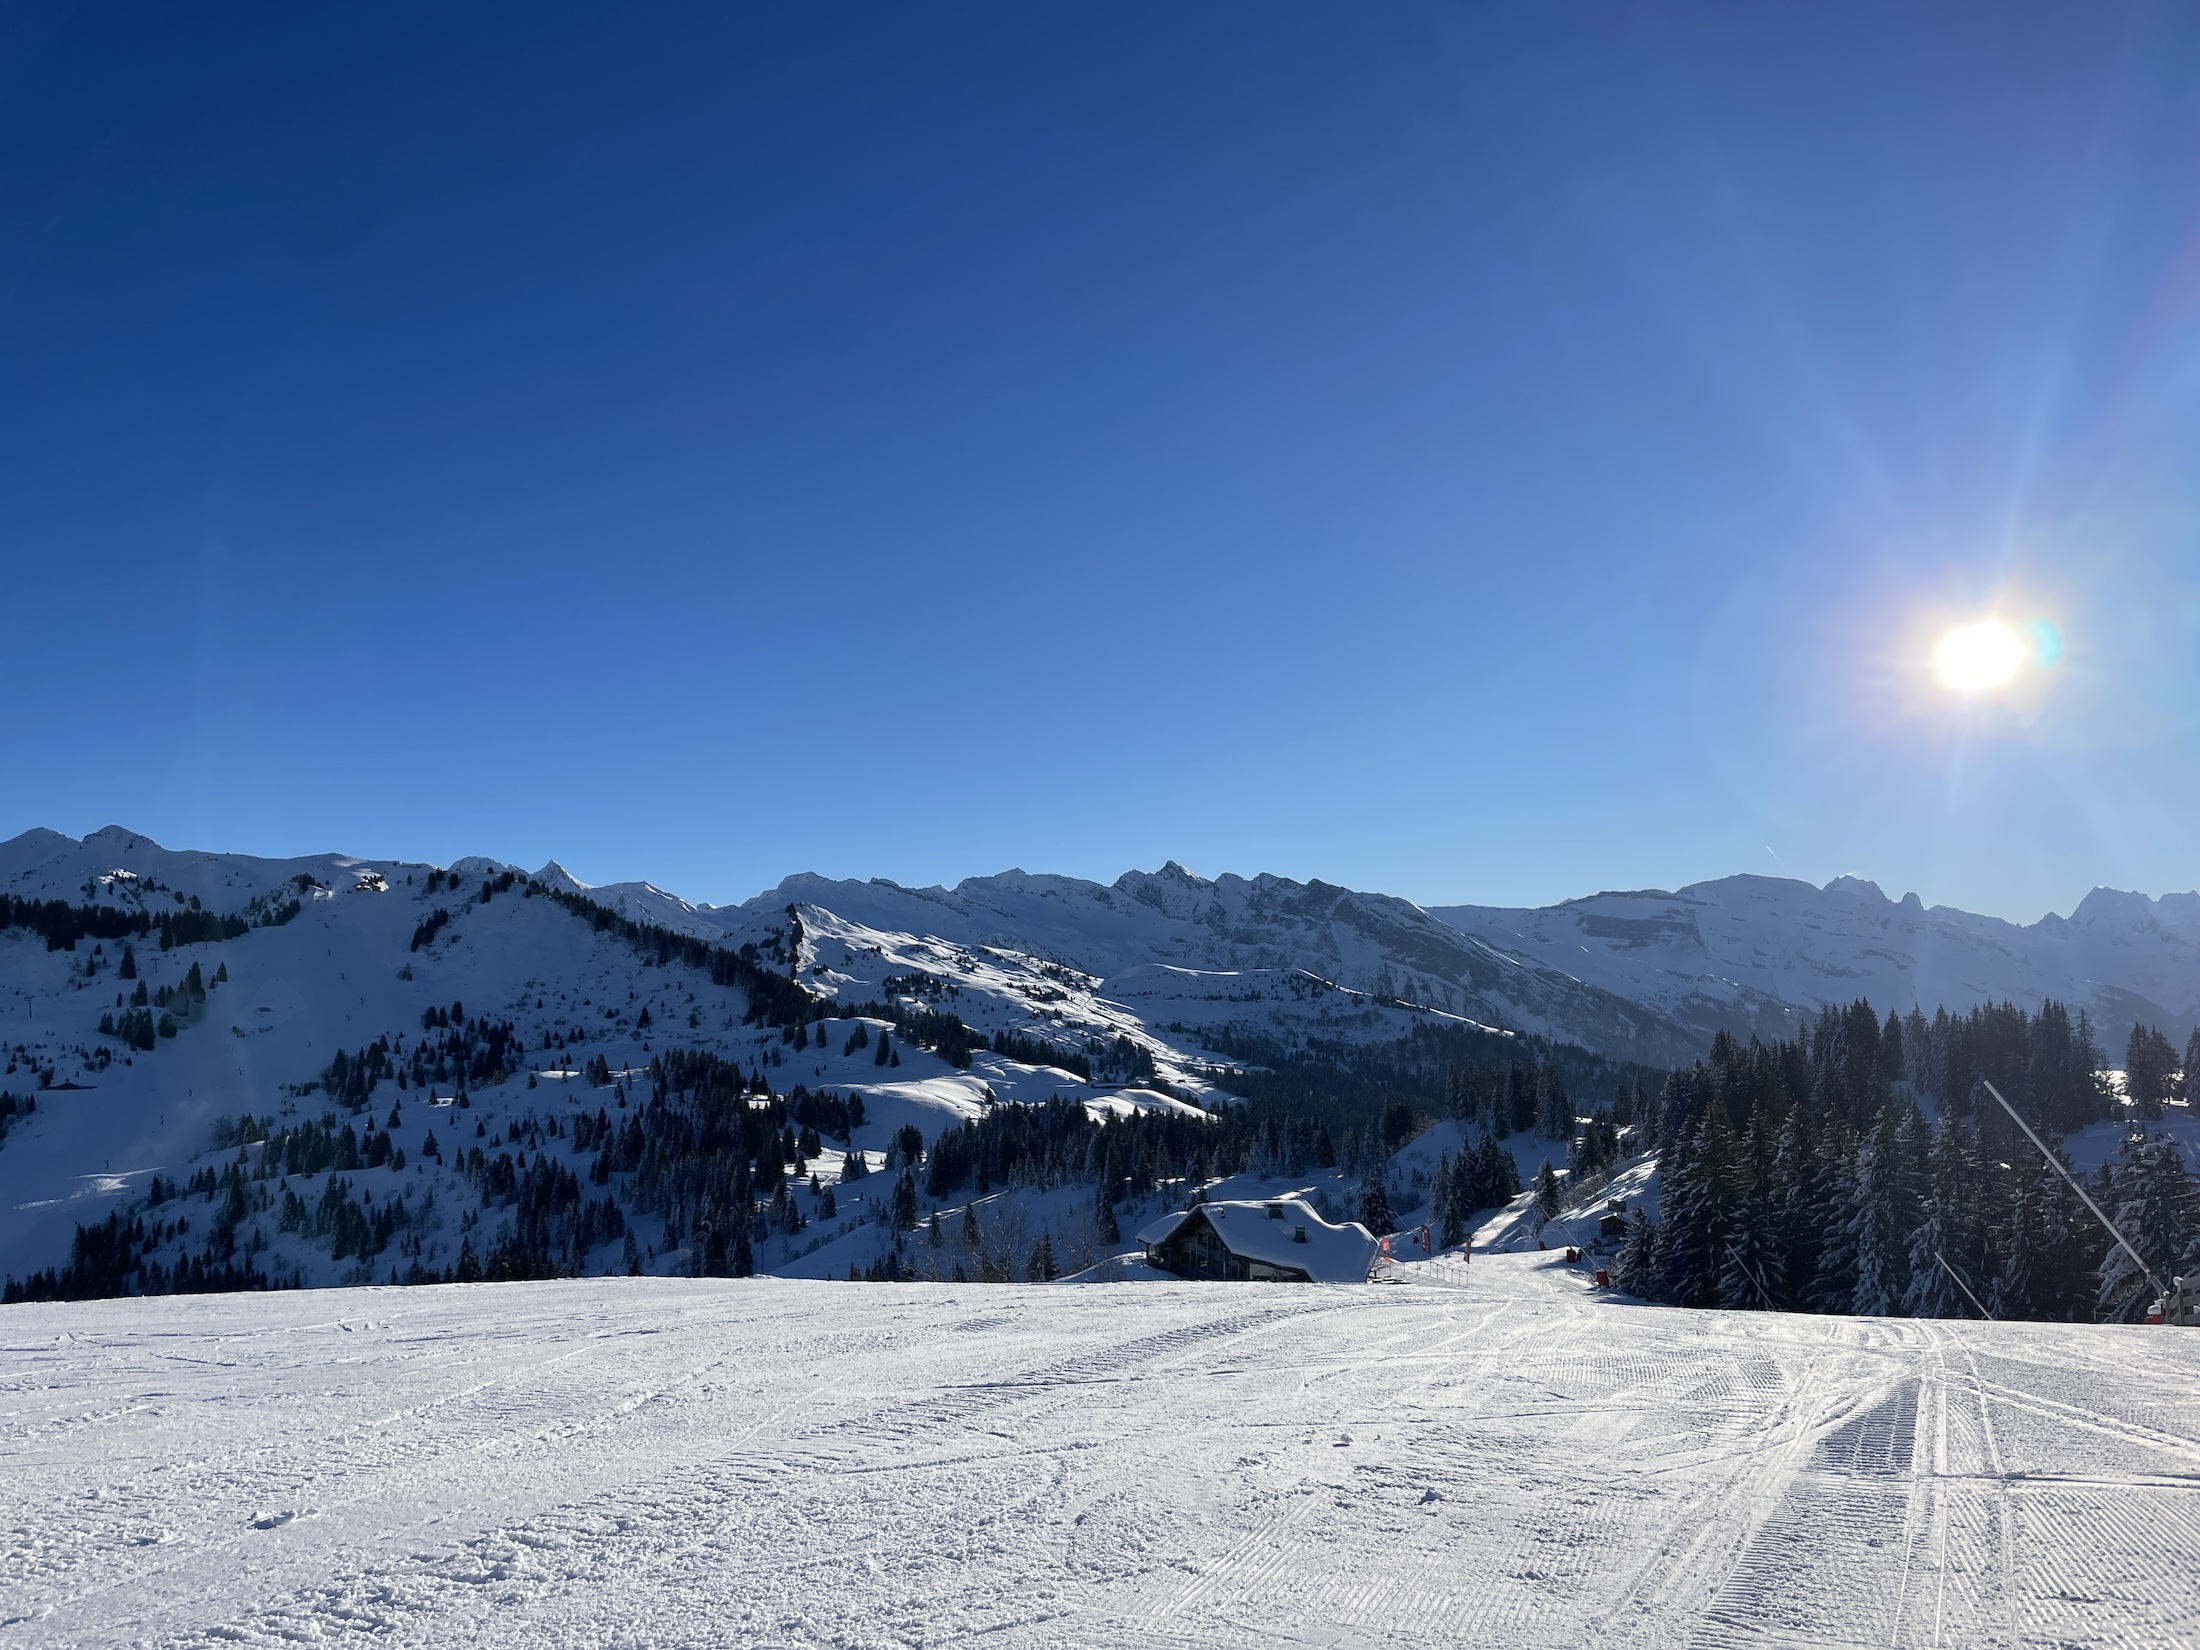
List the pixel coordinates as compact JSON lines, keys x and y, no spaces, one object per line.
{"x":1484,"y":454}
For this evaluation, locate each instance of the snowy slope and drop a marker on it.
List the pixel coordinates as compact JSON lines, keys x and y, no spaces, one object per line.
{"x":1161,"y":1008}
{"x":1372,"y":945}
{"x":1761,"y":954}
{"x":654,"y":1463}
{"x":341,"y":973}
{"x":1142,"y":978}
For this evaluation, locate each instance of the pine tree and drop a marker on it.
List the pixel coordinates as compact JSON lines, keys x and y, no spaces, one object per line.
{"x":1554,"y":1110}
{"x":1520,"y":1099}
{"x":2014,"y":1292}
{"x":1697,"y":1198}
{"x":1752,"y":1256}
{"x":128,"y":970}
{"x":2165,"y":1215}
{"x":1041,"y":1268}
{"x":1375,"y":1212}
{"x":1932,"y":1293}
{"x":1497,"y":1177}
{"x":1461,"y":1098}
{"x":1548,"y":1194}
{"x":1832,"y":1286}
{"x":1639,"y":1268}
{"x":1879,"y":1225}
{"x":2120,"y":1188}
{"x":2150,"y":1069}
{"x":1447,"y":1200}
{"x":1951,"y":1230}
{"x":1104,"y":1223}
{"x":1796,"y":1195}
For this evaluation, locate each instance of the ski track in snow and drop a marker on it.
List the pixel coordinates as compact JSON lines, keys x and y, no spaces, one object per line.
{"x":772,"y":1462}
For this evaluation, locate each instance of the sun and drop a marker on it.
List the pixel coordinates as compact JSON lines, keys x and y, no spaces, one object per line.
{"x":1975,"y":657}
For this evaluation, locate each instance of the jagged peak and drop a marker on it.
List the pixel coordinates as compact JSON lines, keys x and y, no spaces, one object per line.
{"x":2114,"y":905}
{"x":1850,"y":884}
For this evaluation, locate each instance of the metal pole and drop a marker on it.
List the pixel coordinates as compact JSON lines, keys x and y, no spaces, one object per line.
{"x":1960,"y":1284}
{"x":2056,"y":1163}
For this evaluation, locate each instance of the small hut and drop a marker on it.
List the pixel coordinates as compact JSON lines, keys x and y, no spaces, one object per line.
{"x":1273,"y":1240}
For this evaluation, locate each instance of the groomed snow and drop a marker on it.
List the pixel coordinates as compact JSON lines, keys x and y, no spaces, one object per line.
{"x":655,"y":1462}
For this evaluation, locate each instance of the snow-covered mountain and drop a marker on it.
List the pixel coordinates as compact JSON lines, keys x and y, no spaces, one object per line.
{"x":1761,"y":954}
{"x":508,"y":1013}
{"x":1199,"y":952}
{"x":515,"y":1018}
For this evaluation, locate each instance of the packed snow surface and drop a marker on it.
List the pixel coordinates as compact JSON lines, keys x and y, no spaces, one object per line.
{"x":1492,"y":1456}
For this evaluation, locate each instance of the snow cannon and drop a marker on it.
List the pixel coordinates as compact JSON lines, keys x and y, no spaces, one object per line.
{"x":2178,"y":1304}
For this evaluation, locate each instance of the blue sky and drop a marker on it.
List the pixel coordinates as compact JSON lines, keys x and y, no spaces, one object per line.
{"x":1485,"y":454}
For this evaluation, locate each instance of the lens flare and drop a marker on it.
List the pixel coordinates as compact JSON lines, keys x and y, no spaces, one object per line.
{"x":1979,"y":656}
{"x":2047,"y":642}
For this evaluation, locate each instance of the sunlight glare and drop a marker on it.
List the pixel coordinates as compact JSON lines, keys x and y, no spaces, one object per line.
{"x":1978,"y":656}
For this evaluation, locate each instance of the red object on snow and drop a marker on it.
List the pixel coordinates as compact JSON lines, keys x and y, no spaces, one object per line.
{"x":1573,"y":1257}
{"x":1604,"y":1278}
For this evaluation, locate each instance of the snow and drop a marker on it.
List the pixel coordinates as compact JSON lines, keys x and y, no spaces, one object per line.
{"x":1280,"y":1231}
{"x":1759,"y":954}
{"x":1192,"y":952}
{"x":1509,"y":1460}
{"x":2088,"y":1148}
{"x":341,"y":973}
{"x":1164,"y":961}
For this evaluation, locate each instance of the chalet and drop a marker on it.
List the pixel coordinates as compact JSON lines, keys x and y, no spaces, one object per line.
{"x":1274,"y":1240}
{"x":1612,"y":1225}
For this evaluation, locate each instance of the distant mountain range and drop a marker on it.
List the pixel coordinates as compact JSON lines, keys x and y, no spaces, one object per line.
{"x":1754,"y":954}
{"x":160,"y":992}
{"x":1649,"y":975}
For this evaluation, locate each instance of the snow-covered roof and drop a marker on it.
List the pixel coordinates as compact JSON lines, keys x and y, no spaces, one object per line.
{"x":1163,"y":1229}
{"x":1267,"y":1230}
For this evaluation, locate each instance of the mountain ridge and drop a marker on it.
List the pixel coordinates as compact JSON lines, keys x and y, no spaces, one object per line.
{"x":1631,"y":973}
{"x":1709,"y":956}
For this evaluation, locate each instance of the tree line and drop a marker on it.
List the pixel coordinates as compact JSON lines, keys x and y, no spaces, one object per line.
{"x":1804,"y":1175}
